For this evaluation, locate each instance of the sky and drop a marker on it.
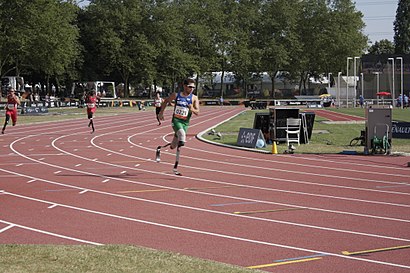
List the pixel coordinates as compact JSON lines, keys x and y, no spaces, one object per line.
{"x":378,"y":16}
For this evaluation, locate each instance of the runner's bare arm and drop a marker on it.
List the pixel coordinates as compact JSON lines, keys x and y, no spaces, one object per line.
{"x":164,"y":105}
{"x":194,"y":107}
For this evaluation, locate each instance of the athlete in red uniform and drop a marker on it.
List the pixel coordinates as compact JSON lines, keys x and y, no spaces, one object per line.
{"x":11,"y":108}
{"x":91,"y":102}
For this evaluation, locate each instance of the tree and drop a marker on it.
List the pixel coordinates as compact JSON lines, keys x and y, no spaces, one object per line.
{"x":331,"y":31}
{"x":115,"y":40}
{"x":278,"y":37}
{"x":53,"y":43}
{"x":402,"y":28}
{"x":382,"y":47}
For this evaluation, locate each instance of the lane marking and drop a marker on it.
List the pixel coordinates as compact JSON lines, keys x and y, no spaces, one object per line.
{"x":394,"y":186}
{"x":284,"y":263}
{"x":232,"y":204}
{"x":207,"y":188}
{"x":78,"y":165}
{"x":52,"y":234}
{"x":209,"y":233}
{"x":84,"y":191}
{"x":52,"y":206}
{"x":6,"y":228}
{"x":57,"y":172}
{"x":374,"y":250}
{"x":105,"y":180}
{"x":266,"y":210}
{"x":143,"y":191}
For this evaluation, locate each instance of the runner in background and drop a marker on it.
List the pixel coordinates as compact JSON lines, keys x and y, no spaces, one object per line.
{"x":91,"y":101}
{"x":158,"y":103}
{"x":11,"y":108}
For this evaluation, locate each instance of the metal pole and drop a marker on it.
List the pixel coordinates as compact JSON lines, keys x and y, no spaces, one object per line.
{"x":328,"y":80}
{"x":347,"y":81}
{"x":338,"y":88}
{"x":401,"y":81}
{"x":393,"y":89}
{"x":355,"y":80}
{"x":377,"y":84}
{"x":362,"y":78}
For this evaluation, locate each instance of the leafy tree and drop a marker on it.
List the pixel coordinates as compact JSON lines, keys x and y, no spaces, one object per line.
{"x":402,"y":28}
{"x":278,"y":37}
{"x":382,"y":47}
{"x":331,"y":31}
{"x":55,"y":38}
{"x":115,"y":40}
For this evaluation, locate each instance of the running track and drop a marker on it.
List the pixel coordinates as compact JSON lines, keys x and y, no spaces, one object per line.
{"x":59,"y":184}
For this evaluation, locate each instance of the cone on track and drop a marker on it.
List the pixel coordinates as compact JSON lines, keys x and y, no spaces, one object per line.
{"x":274,"y":148}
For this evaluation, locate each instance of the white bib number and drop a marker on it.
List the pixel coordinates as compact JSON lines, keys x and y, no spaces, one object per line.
{"x":181,"y":112}
{"x":90,"y":105}
{"x":10,"y":106}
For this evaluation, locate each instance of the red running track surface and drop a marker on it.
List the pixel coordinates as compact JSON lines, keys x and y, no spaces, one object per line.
{"x":284,"y":213}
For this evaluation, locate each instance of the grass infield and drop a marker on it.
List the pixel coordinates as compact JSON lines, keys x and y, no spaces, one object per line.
{"x":326,"y":137}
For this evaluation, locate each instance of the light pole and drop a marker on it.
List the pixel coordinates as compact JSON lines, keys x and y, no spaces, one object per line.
{"x":393,"y":68}
{"x":362,"y":78}
{"x":328,"y":80}
{"x":401,"y":80}
{"x":355,"y":81}
{"x":377,"y":84}
{"x":338,"y":88}
{"x":347,"y":81}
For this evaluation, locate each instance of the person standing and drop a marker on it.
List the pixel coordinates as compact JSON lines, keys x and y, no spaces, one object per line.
{"x":186,"y":104}
{"x":11,"y":108}
{"x":158,"y":103}
{"x":91,"y":102}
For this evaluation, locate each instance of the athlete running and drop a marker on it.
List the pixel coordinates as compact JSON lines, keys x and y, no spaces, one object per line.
{"x":11,"y":108}
{"x":91,"y":102}
{"x":158,"y":103}
{"x":186,"y":103}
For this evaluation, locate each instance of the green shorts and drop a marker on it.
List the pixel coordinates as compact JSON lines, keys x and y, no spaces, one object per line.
{"x":177,"y":124}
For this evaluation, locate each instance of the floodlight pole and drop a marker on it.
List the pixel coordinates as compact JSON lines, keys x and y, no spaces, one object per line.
{"x":362,"y":78}
{"x":328,"y":79}
{"x":378,"y":81}
{"x":393,"y":68}
{"x":338,"y":88}
{"x":355,"y":81}
{"x":347,"y":81}
{"x":401,"y":81}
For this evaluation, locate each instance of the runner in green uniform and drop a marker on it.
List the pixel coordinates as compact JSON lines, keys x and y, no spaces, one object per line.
{"x":186,"y":103}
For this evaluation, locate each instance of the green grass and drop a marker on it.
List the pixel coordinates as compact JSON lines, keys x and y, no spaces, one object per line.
{"x":104,"y":259}
{"x":326,"y":138}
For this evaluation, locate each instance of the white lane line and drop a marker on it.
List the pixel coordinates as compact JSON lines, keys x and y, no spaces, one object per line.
{"x":52,"y":206}
{"x":6,"y":228}
{"x":52,"y":234}
{"x":213,"y":234}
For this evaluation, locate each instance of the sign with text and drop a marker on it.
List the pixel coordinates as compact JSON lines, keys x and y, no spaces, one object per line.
{"x":400,"y":130}
{"x":35,"y":110}
{"x":249,"y":137}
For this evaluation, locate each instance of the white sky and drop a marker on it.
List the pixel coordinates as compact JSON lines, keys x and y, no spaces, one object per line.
{"x":378,"y":16}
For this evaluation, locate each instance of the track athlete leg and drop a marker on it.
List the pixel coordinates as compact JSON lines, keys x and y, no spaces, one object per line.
{"x":158,"y":152}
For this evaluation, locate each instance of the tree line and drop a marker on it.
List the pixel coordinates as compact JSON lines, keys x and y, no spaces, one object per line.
{"x":159,"y":42}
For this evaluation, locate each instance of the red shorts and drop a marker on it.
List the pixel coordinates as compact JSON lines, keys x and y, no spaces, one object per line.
{"x":13,"y":114}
